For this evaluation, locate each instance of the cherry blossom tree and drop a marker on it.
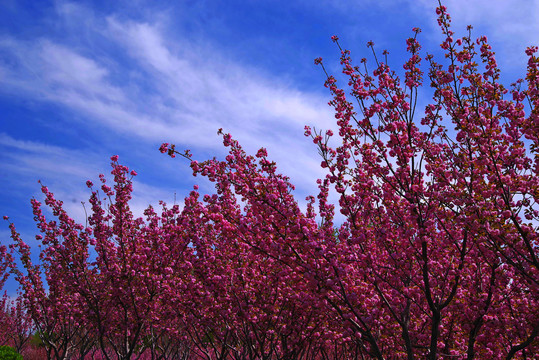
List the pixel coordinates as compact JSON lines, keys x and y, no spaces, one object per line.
{"x":436,"y":256}
{"x":439,"y":247}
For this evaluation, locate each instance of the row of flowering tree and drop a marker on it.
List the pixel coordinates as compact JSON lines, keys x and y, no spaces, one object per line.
{"x":437,"y":256}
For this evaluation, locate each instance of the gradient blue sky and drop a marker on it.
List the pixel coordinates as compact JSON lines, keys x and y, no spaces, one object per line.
{"x":83,"y":80}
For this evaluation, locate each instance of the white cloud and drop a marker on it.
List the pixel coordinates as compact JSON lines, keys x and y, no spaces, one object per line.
{"x":174,"y":91}
{"x":509,"y":24}
{"x":64,"y":172}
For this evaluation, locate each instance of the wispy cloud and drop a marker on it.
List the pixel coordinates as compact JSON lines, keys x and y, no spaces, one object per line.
{"x":167,"y":89}
{"x":65,"y":173}
{"x":511,"y":25}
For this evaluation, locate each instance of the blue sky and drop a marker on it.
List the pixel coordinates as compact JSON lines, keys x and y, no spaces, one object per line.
{"x":83,"y":80}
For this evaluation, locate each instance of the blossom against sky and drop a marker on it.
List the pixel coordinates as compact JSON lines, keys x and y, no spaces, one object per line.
{"x":81,"y":81}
